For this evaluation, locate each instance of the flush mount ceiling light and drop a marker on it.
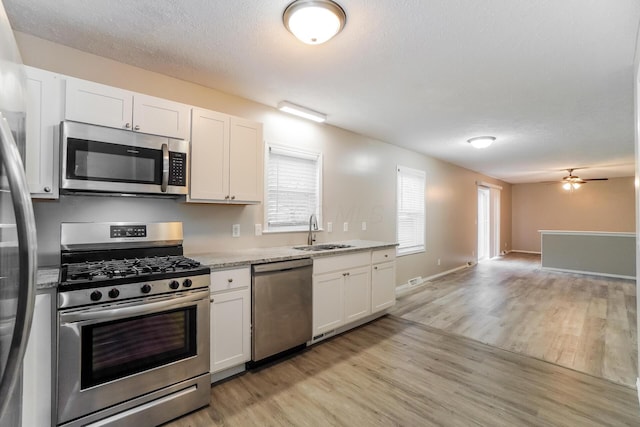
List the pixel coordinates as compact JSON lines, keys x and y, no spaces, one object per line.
{"x":481,"y":141}
{"x":299,"y":111}
{"x":314,"y":21}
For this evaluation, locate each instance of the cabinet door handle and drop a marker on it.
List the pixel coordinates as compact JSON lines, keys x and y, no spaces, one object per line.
{"x":233,"y":197}
{"x":230,"y":280}
{"x":211,"y":300}
{"x":136,"y":128}
{"x":386,"y":255}
{"x":375,"y":268}
{"x":47,"y":189}
{"x":226,"y":197}
{"x":127,"y":125}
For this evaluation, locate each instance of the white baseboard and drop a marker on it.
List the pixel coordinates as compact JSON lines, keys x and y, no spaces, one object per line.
{"x":526,"y":252}
{"x":406,"y":287}
{"x":593,"y":273}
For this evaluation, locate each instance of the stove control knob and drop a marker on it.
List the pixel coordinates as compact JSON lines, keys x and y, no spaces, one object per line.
{"x":187,"y":283}
{"x":174,"y":284}
{"x":95,"y":296}
{"x":113,"y":293}
{"x":145,"y":289}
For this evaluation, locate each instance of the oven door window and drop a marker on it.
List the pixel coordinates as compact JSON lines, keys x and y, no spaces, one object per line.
{"x":120,"y":348}
{"x":101,"y":161}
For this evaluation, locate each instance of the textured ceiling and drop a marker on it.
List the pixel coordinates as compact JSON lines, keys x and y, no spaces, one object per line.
{"x":552,"y":80}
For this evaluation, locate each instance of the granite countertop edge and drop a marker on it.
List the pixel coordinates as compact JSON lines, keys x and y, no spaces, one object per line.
{"x":245,"y":257}
{"x":48,"y":277}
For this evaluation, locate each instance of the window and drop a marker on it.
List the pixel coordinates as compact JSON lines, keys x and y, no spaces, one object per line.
{"x":292,"y":188}
{"x":411,"y":218}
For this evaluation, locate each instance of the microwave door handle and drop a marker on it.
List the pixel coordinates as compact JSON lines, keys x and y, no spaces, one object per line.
{"x":27,"y":253}
{"x":165,"y":167}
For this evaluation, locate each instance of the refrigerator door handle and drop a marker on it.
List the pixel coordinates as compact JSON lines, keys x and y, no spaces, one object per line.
{"x":27,"y":254}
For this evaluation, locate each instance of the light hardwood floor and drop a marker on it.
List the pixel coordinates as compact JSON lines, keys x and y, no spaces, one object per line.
{"x":415,"y":368}
{"x":395,"y":372}
{"x":583,"y":322}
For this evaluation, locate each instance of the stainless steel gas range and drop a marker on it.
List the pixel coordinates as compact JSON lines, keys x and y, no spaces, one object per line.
{"x":133,"y":326}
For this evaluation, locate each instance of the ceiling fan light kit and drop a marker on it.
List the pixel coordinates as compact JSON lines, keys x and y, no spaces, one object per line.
{"x":573,"y":182}
{"x":314,"y":21}
{"x":481,"y":141}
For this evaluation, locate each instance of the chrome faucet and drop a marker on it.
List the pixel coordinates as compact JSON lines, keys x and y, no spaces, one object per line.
{"x":313,"y":226}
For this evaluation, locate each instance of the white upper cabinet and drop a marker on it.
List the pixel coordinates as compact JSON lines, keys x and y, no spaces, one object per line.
{"x":109,"y":106}
{"x":44,"y":113}
{"x":245,"y":160}
{"x":160,"y":116}
{"x":209,"y":154}
{"x":226,"y":159}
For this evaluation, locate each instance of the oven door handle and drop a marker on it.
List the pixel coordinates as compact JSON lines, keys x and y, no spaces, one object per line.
{"x":135,"y":309}
{"x":165,"y":167}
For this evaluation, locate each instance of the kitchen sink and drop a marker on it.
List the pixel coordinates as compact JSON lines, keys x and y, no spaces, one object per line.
{"x":324,"y":247}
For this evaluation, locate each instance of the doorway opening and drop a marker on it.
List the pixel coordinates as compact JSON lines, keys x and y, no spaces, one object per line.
{"x":488,"y":222}
{"x":484,"y":241}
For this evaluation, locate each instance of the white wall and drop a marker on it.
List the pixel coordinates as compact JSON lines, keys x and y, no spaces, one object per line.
{"x":359,"y":178}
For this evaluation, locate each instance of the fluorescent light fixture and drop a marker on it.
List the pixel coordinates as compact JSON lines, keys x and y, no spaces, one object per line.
{"x":297,"y":110}
{"x":481,"y":141}
{"x":314,"y":21}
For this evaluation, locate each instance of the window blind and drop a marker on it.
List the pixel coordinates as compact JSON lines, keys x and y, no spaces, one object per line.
{"x":292,"y":189}
{"x":411,"y":216}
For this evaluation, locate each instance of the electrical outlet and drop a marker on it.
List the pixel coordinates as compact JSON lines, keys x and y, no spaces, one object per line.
{"x":329,"y":227}
{"x":258,"y":229}
{"x":438,"y":261}
{"x":364,"y":226}
{"x":235,"y":230}
{"x":345,"y":226}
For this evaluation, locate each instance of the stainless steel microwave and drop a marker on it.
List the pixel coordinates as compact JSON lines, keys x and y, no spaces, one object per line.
{"x":105,"y":160}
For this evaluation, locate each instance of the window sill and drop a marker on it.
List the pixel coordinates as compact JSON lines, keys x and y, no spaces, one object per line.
{"x":410,"y":252}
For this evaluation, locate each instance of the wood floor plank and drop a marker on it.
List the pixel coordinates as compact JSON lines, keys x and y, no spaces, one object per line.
{"x":395,"y":372}
{"x":579,"y":321}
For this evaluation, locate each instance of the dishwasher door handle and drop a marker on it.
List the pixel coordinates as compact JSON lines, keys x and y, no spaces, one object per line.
{"x":282,"y":265}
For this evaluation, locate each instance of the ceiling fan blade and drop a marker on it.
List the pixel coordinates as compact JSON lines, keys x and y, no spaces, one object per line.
{"x":596,"y":179}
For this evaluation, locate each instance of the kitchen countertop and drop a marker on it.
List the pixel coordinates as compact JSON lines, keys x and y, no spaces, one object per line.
{"x":244,"y":257}
{"x":47,"y":278}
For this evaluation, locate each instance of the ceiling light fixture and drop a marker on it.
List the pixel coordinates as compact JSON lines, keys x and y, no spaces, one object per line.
{"x":571,"y":185}
{"x":481,"y":141}
{"x":314,"y":21}
{"x":299,"y":111}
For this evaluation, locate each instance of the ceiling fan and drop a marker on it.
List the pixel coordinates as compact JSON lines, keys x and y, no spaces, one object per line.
{"x":573,"y":182}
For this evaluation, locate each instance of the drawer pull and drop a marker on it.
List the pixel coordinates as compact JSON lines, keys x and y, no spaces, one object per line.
{"x":230,"y":280}
{"x":375,"y":268}
{"x":211,"y":299}
{"x":386,"y":255}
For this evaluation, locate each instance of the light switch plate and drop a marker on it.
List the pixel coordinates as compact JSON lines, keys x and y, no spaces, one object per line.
{"x":235,"y":230}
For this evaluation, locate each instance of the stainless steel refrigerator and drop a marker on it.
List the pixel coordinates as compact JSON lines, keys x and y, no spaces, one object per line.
{"x":17,"y":229}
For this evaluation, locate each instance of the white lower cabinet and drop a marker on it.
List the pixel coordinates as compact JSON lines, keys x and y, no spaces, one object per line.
{"x":230,"y":333}
{"x":357,"y":294}
{"x":341,"y":290}
{"x":37,"y":376}
{"x":383,"y":280}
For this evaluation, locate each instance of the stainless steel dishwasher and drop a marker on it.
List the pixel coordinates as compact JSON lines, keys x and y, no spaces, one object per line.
{"x":280,"y":307}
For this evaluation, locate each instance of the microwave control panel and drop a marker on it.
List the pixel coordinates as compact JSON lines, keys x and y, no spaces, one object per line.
{"x":177,"y":168}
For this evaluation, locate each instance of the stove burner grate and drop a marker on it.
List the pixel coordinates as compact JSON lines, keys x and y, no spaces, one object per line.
{"x":105,"y":270}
